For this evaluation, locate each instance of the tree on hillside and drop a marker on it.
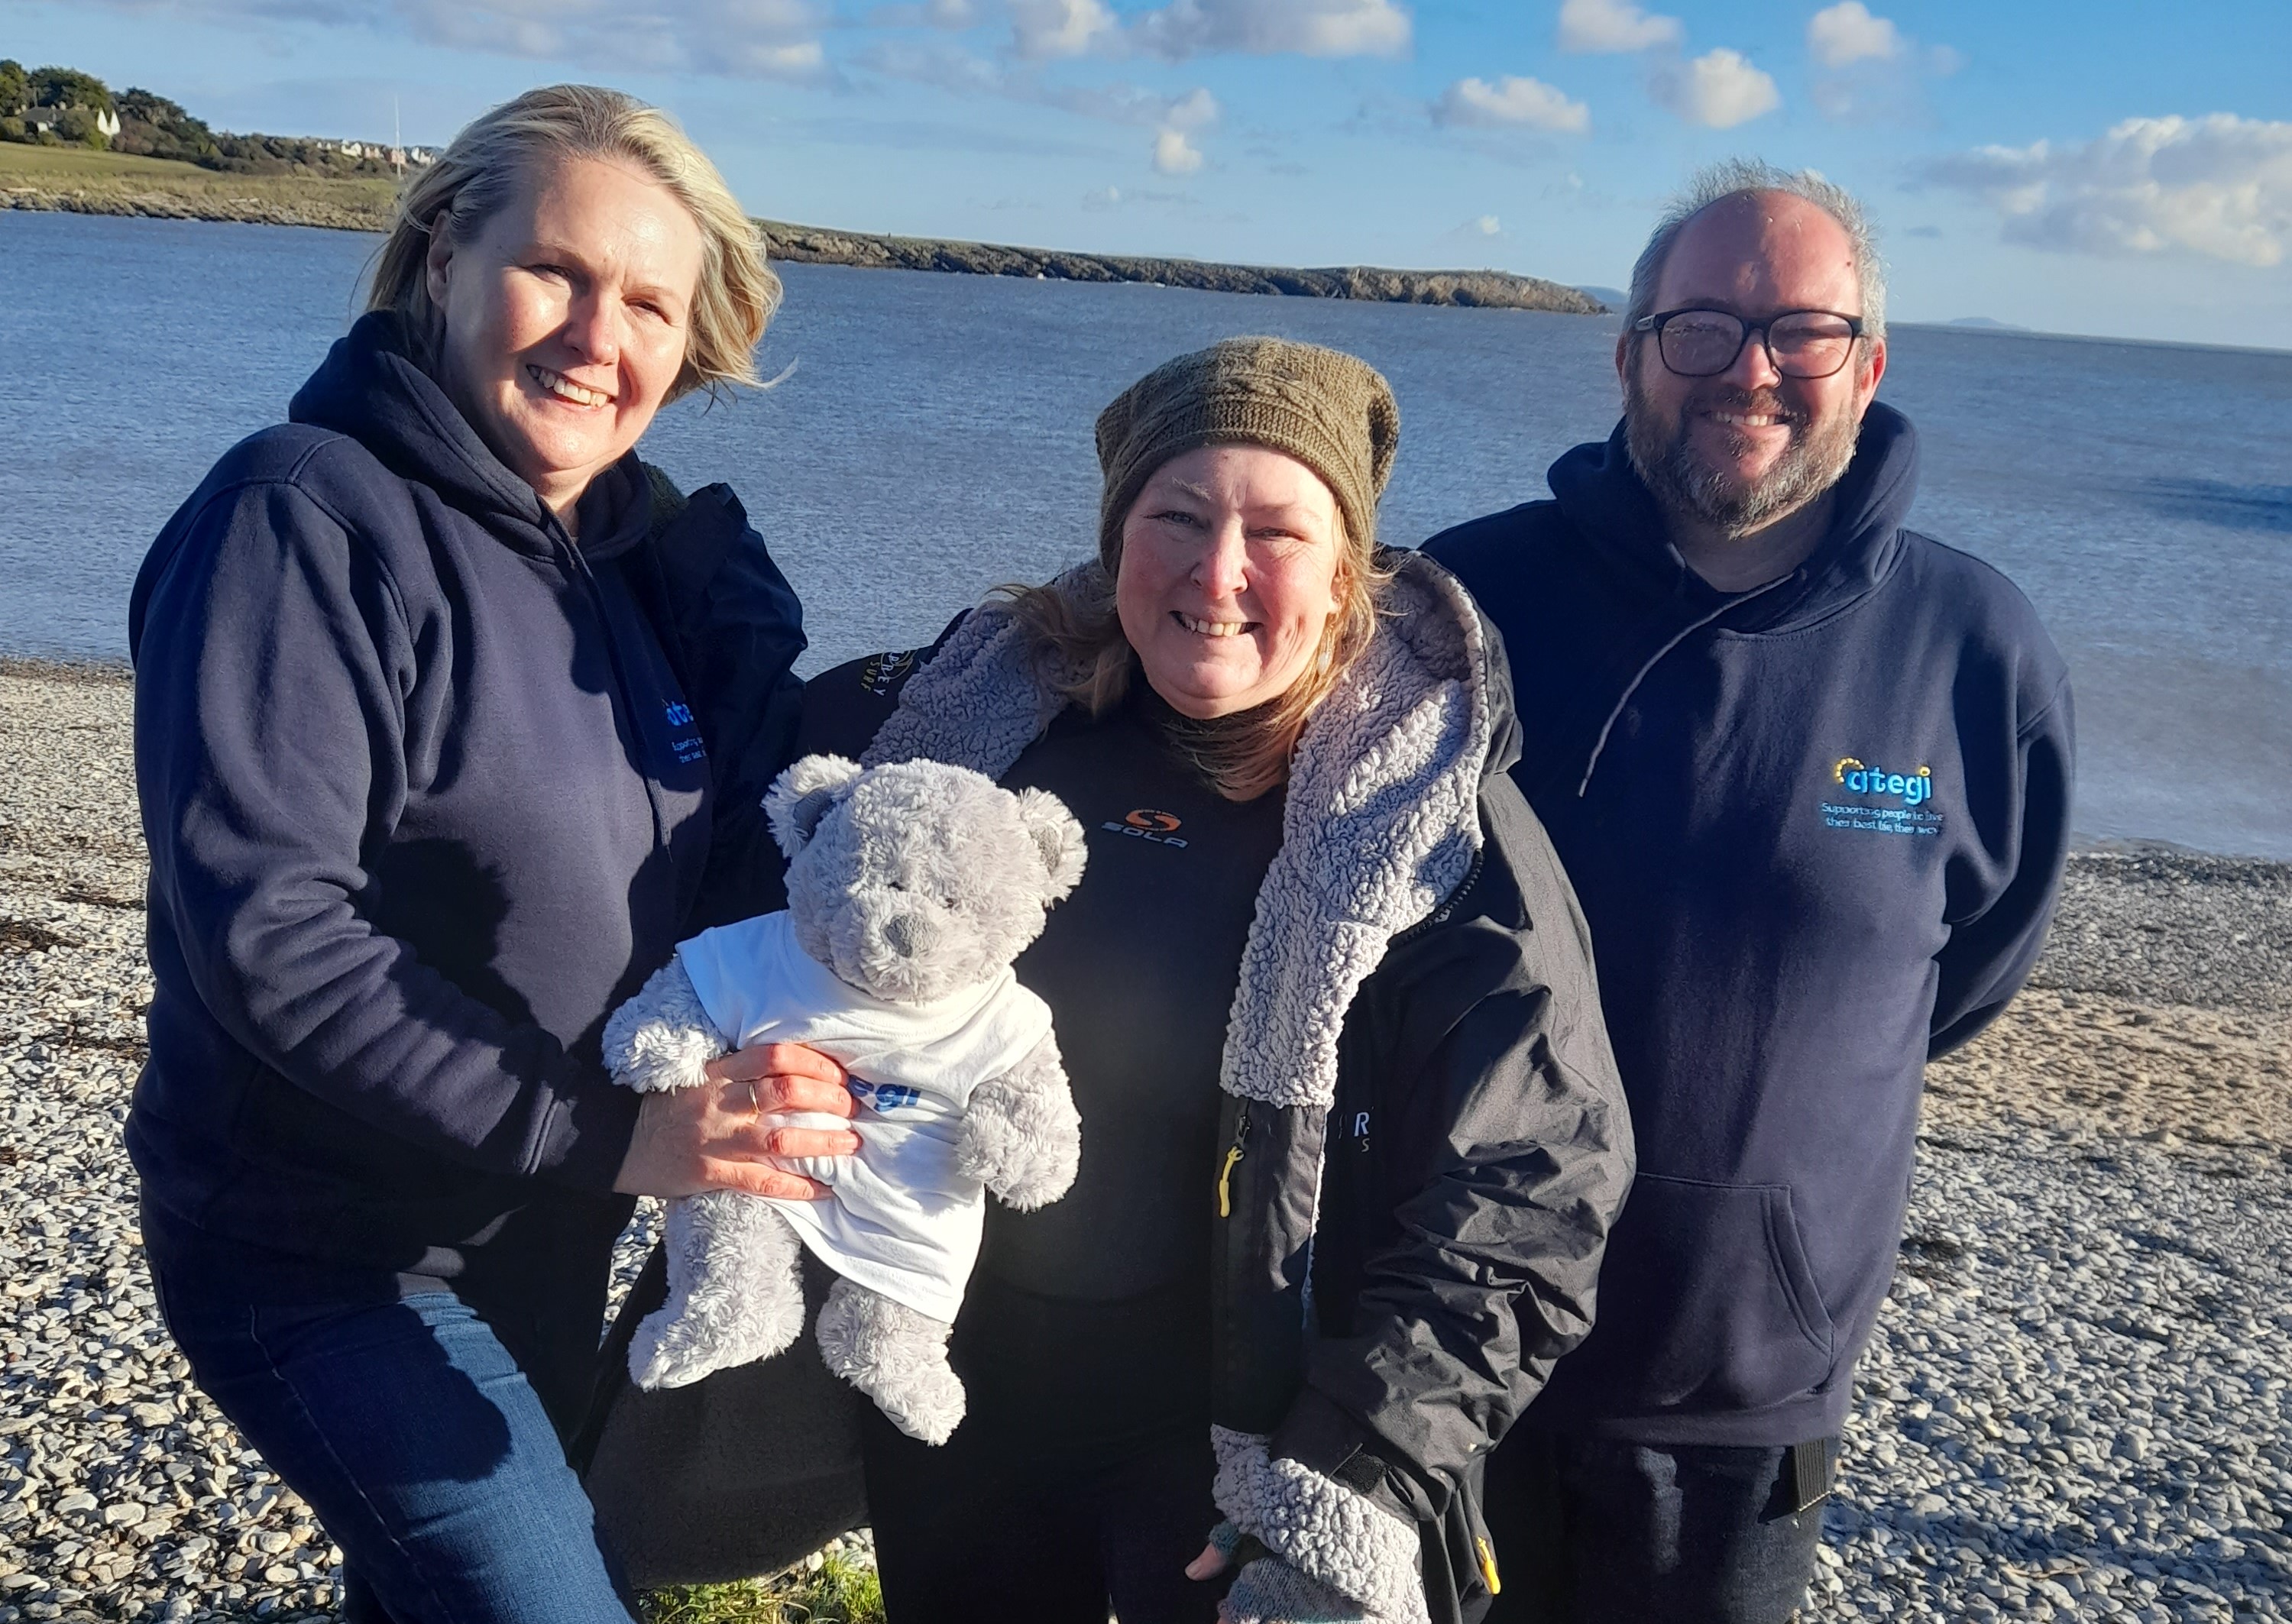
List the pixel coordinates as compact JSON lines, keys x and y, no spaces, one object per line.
{"x":152,"y":126}
{"x":77,"y":127}
{"x":68,"y":87}
{"x":149,"y":107}
{"x":14,"y":86}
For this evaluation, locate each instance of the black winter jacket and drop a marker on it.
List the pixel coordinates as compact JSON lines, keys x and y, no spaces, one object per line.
{"x":1449,"y":1193}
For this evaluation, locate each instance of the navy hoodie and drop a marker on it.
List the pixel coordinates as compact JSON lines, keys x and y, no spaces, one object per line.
{"x":426,"y":797}
{"x":1817,"y":828}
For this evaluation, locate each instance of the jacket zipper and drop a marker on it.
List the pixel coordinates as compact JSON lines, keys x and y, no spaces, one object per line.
{"x":1440,"y":916}
{"x":1233,"y":1155}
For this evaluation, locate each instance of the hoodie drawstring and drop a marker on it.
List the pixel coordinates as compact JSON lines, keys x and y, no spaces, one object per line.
{"x":1725,"y":605}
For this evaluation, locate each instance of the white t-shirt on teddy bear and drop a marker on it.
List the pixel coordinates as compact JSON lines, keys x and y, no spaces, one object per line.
{"x":902,"y":1220}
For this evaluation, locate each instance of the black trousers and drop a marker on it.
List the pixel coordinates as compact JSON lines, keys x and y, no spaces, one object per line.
{"x":1078,"y":1483}
{"x":1592,"y":1531}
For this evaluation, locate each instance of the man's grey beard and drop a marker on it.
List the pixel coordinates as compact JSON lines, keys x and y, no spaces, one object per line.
{"x":1682,"y":483}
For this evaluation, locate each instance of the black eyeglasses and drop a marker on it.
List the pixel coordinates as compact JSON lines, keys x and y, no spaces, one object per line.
{"x":1704,"y":343}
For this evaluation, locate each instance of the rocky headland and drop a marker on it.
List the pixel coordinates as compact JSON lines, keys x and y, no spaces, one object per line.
{"x":145,"y":189}
{"x":1486,"y":289}
{"x":2078,"y":1404}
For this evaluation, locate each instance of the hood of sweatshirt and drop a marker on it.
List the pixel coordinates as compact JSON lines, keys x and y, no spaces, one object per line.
{"x":372,"y":388}
{"x":1604,"y":497}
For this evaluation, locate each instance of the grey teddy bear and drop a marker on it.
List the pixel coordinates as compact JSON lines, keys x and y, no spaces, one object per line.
{"x":911,"y":889}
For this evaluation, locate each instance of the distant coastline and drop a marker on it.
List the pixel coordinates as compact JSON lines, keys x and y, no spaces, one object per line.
{"x":84,"y":182}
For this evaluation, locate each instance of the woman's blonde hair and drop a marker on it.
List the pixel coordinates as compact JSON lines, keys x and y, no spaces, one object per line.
{"x":479,"y":172}
{"x":1084,"y":657}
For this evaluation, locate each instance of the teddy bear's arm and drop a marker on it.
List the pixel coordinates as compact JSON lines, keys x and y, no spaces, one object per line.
{"x":1022,"y":1136}
{"x":662,"y":1038}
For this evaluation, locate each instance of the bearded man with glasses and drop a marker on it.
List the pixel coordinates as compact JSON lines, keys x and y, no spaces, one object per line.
{"x":1809,"y":772}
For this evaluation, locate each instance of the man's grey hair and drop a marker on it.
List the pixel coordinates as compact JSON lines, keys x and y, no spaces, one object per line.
{"x":1738,"y":176}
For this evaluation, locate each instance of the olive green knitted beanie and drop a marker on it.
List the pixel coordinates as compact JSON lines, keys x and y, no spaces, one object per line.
{"x":1332,"y":412}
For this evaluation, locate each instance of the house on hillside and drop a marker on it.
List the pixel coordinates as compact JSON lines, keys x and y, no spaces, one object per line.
{"x":38,"y":118}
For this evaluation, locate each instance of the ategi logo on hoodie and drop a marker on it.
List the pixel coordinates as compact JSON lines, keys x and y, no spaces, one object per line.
{"x":1899,"y":798}
{"x":688,"y":747}
{"x":1915,"y":789}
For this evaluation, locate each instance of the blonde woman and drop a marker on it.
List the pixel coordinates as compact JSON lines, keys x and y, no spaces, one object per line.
{"x":1352,"y":1136}
{"x":435,"y":703}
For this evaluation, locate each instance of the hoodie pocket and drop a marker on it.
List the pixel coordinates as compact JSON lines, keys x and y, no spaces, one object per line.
{"x":1706,"y":1302}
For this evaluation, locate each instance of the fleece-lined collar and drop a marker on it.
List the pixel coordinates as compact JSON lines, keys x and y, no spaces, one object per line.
{"x":1380,"y":826}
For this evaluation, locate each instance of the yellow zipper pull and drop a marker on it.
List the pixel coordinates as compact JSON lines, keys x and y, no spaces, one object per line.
{"x":1225,"y":1173}
{"x":1488,"y":1567}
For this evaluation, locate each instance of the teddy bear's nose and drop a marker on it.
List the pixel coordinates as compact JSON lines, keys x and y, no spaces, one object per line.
{"x":910,"y":935}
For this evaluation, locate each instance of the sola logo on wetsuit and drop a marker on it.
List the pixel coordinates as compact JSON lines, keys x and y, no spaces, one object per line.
{"x":1915,"y":789}
{"x":1145,"y":824}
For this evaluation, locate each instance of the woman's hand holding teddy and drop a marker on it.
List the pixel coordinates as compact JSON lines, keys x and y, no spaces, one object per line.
{"x":722,"y":1135}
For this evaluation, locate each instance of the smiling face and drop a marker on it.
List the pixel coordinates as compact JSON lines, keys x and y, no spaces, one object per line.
{"x":566,"y":319}
{"x":1740,"y":450}
{"x":1228,"y":576}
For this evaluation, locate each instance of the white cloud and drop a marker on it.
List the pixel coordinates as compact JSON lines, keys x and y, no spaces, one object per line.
{"x":1041,"y":28}
{"x":2220,"y":187}
{"x":768,"y":39}
{"x":941,"y":64}
{"x":1518,"y":103}
{"x":1196,"y":110}
{"x":804,"y":59}
{"x":1868,"y":71}
{"x":1718,"y":90}
{"x":1271,"y":28}
{"x":1174,"y":155}
{"x":1176,"y":121}
{"x":955,"y":15}
{"x":1847,"y":33}
{"x":1613,"y":26}
{"x":1174,"y":152}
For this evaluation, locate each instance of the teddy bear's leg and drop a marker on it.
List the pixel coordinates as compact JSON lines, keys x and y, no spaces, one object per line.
{"x":735,"y":1291}
{"x":896,"y":1356}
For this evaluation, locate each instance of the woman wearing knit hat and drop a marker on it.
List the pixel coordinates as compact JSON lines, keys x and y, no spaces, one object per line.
{"x":1351,"y":1133}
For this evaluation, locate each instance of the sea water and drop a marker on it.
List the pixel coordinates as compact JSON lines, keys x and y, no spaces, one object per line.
{"x":932,"y":439}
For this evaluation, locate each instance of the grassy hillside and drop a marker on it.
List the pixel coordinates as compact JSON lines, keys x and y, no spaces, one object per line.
{"x":85,"y":181}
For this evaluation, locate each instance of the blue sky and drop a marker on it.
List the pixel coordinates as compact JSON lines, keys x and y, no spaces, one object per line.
{"x":2105,"y":167}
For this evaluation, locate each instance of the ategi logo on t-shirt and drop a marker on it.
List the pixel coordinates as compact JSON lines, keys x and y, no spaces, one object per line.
{"x":883,"y":1095}
{"x":1882,"y":802}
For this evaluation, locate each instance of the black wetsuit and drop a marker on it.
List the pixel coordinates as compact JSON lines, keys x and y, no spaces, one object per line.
{"x":1082,"y":1472}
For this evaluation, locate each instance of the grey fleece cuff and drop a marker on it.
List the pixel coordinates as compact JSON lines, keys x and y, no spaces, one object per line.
{"x":1269,"y":1591}
{"x":1331,"y":1535}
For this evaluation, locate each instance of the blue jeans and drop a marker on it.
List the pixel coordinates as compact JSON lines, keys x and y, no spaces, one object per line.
{"x":419,"y":1441}
{"x":1589,"y":1531}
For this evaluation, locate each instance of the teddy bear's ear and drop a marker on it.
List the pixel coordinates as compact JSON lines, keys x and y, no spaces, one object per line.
{"x":1058,"y":840}
{"x":803,"y":795}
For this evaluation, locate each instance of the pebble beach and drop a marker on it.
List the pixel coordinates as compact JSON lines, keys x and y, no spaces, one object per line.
{"x":2076,"y":1406}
